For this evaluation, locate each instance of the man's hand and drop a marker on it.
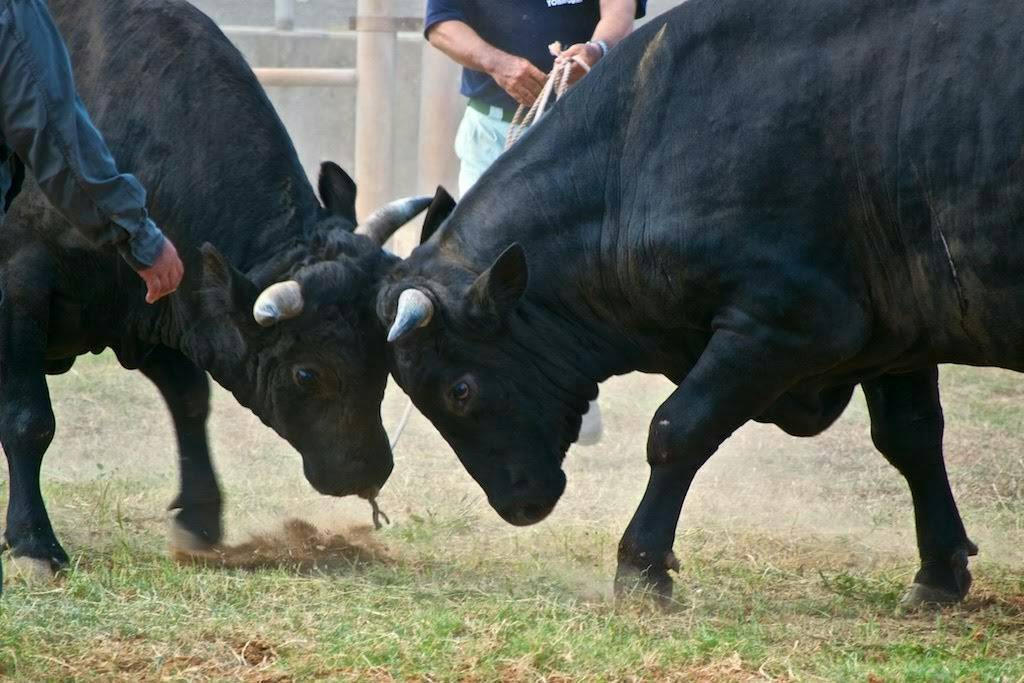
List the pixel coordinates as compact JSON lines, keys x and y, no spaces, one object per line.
{"x":164,"y":276}
{"x":588,"y":52}
{"x":518,"y":77}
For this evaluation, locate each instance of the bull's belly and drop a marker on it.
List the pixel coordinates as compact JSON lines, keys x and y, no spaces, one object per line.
{"x":990,"y":335}
{"x":73,"y":330}
{"x":808,"y":411}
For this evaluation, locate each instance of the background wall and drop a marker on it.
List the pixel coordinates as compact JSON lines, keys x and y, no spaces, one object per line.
{"x":327,"y":15}
{"x":321,"y":120}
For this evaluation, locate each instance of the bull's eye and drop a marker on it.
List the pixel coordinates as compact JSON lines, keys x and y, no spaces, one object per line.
{"x":304,"y":377}
{"x":461,"y":392}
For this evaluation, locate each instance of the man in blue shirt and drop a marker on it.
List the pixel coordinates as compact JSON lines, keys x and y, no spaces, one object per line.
{"x":44,"y":127}
{"x":503,"y":48}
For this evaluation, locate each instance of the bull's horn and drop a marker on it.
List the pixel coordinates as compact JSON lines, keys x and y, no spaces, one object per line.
{"x":415,"y":309}
{"x":278,"y":302}
{"x":383,"y":222}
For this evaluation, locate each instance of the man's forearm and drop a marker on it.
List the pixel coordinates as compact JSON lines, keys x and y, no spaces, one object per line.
{"x":46,"y":125}
{"x":515,"y":75}
{"x":465,"y":46}
{"x":616,"y":22}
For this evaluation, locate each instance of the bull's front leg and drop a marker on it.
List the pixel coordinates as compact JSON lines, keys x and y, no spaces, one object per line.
{"x":735,"y":379}
{"x":196,"y":522}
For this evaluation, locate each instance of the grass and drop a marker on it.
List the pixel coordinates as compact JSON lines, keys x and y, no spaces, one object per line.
{"x":795,"y":554}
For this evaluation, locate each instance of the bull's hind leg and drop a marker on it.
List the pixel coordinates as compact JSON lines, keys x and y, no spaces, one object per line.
{"x":907,"y":426}
{"x":26,"y":419}
{"x":196,"y":521}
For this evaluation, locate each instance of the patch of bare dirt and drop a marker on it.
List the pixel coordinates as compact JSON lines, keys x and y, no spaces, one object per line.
{"x":1010,"y":603}
{"x":297,"y":544}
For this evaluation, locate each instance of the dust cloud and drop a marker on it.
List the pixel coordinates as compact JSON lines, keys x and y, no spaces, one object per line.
{"x":296,"y":544}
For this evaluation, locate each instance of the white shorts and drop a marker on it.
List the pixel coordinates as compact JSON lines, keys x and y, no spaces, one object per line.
{"x":480,"y":140}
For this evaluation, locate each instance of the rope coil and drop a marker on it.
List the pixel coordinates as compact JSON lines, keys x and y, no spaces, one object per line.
{"x":557,"y":83}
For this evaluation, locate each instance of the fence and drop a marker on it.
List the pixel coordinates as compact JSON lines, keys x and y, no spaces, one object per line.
{"x":374,"y":80}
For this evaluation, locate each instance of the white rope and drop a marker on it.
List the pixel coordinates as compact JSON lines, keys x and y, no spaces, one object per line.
{"x":402,"y":422}
{"x":379,"y":514}
{"x":557,"y":83}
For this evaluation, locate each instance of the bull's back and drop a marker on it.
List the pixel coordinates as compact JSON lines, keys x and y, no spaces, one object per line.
{"x":880,"y":141}
{"x":181,"y":109}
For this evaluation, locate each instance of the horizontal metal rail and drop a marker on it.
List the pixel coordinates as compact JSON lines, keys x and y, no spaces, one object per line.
{"x":311,"y":78}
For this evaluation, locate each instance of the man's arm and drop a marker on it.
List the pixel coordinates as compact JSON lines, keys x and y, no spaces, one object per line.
{"x":44,"y":122}
{"x":516,"y":76}
{"x":616,"y":23}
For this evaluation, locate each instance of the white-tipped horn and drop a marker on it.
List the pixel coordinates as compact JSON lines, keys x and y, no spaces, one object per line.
{"x":278,"y":302}
{"x":415,"y":309}
{"x":383,"y":222}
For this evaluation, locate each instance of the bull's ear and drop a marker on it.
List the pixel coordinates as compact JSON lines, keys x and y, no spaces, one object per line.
{"x":440,"y":208}
{"x":225,"y":290}
{"x":499,"y":288}
{"x":338,"y":191}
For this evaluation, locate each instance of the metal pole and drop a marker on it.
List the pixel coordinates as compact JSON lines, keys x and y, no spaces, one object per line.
{"x":284,"y":15}
{"x":375,"y":104}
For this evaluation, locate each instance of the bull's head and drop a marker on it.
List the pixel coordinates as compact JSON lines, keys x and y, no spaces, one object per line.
{"x":298,"y":342}
{"x":473,"y":361}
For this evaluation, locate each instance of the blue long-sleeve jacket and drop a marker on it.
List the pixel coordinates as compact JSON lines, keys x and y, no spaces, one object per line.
{"x":44,"y":125}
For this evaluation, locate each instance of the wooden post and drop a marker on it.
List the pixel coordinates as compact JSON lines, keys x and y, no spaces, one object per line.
{"x":284,"y":15}
{"x":376,"y":42}
{"x":441,"y":109}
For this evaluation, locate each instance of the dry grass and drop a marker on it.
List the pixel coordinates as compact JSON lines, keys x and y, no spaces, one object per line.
{"x":795,"y":553}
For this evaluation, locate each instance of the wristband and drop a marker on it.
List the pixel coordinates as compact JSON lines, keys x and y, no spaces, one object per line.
{"x":600,"y":45}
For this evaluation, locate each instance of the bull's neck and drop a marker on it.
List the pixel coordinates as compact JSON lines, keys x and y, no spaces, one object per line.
{"x":549,"y":194}
{"x":216,"y":345}
{"x":546,"y":192}
{"x":206,"y":331}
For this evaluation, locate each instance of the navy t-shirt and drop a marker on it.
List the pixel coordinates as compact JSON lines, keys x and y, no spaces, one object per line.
{"x":523,"y":28}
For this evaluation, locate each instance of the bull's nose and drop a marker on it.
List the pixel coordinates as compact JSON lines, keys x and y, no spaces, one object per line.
{"x":524,"y":514}
{"x":528,"y":500}
{"x":350,"y":479}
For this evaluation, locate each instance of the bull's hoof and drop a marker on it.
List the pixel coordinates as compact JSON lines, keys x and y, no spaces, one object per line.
{"x":186,"y":546}
{"x":939,"y":584}
{"x":646,"y":582}
{"x":201,"y":518}
{"x":34,"y":569}
{"x":922,"y":597}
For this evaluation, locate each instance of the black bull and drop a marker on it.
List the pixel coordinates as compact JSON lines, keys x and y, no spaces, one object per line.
{"x":183,"y":111}
{"x":767,"y":202}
